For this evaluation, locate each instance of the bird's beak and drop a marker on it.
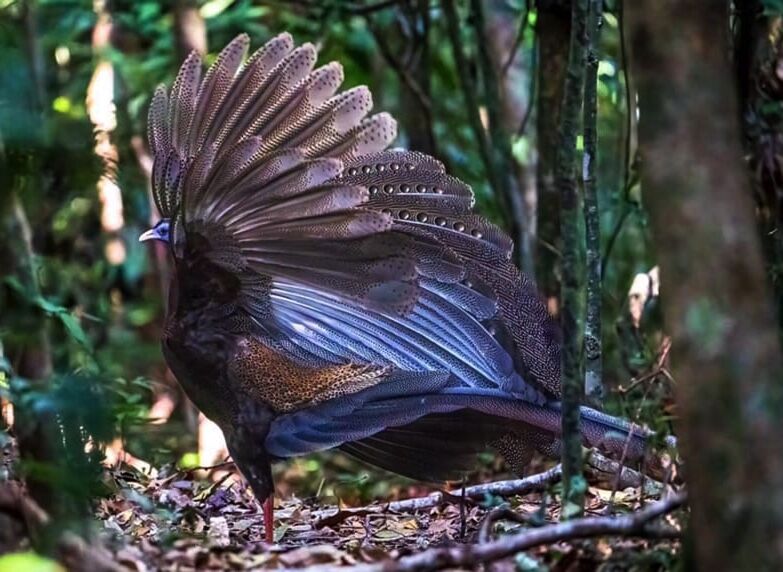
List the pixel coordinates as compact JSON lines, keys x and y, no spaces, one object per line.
{"x":148,"y":235}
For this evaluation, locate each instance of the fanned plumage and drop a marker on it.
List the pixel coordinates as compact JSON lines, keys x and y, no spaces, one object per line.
{"x":330,"y":292}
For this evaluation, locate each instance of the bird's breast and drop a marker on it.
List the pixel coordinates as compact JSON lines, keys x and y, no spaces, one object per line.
{"x":201,"y":369}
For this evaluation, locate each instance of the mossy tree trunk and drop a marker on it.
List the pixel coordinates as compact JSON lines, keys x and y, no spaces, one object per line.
{"x":593,"y":345}
{"x":571,"y":262}
{"x":727,"y":356}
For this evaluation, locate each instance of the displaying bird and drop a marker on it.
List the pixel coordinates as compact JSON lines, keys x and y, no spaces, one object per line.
{"x":328,"y":292}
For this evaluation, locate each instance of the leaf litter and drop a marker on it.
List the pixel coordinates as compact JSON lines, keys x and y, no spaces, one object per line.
{"x":182,"y":523}
{"x":173,"y":520}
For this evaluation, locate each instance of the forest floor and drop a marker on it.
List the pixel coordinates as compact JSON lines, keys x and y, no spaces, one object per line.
{"x":180,"y":521}
{"x":205,"y":526}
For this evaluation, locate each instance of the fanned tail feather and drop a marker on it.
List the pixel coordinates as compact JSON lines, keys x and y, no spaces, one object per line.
{"x":382,"y":425}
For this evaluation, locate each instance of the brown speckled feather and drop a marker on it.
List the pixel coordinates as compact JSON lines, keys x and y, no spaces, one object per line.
{"x":267,"y":375}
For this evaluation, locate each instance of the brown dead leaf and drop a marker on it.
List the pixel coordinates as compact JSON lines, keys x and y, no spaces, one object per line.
{"x":218,"y":531}
{"x":313,"y":555}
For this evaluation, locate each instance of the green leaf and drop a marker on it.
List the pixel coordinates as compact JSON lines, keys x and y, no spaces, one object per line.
{"x":525,"y":563}
{"x":214,"y":8}
{"x":69,"y":321}
{"x":280,"y":531}
{"x":47,"y":305}
{"x":571,"y":510}
{"x":74,"y":328}
{"x":189,"y":461}
{"x":28,"y":562}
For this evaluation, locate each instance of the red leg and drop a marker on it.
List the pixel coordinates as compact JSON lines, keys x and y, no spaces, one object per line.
{"x":269,"y":518}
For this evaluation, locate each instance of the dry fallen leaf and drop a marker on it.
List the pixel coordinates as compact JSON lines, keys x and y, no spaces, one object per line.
{"x":218,"y":531}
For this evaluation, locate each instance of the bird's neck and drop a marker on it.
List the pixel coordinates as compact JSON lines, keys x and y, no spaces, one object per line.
{"x":199,"y":340}
{"x":202,"y":300}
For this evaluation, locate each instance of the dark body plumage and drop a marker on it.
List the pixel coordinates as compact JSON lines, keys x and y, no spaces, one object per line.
{"x":331,"y":293}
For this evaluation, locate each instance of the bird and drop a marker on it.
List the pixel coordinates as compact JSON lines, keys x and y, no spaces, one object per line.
{"x":330,"y":291}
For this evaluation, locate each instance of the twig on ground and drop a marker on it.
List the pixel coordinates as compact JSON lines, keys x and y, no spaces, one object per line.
{"x":628,"y":477}
{"x":512,"y":487}
{"x":621,"y":464}
{"x":218,"y":483}
{"x":496,"y":515}
{"x":524,"y":486}
{"x":221,"y":465}
{"x":660,"y":366}
{"x":367,"y":530}
{"x":463,"y":521}
{"x":77,"y":554}
{"x":468,"y":556}
{"x":538,"y":482}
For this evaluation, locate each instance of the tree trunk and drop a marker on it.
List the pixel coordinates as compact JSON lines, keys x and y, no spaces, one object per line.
{"x":497,"y":178}
{"x":758,"y":51}
{"x":405,"y":46}
{"x":100,"y":104}
{"x":571,"y":262}
{"x":727,"y":355}
{"x":418,"y":106}
{"x":190,"y":31}
{"x":500,"y":30}
{"x":592,"y":344}
{"x":553,"y":28}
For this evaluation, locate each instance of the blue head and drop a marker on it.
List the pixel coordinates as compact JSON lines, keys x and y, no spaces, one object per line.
{"x":158,"y":232}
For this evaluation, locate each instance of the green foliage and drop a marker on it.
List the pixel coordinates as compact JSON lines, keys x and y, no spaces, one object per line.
{"x":772,"y":7}
{"x":68,"y":320}
{"x":573,"y":504}
{"x":28,"y":562}
{"x":526,"y":563}
{"x":82,"y":430}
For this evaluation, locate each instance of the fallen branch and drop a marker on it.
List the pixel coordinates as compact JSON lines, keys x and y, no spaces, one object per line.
{"x":508,"y":488}
{"x":496,"y":515}
{"x":14,"y":500}
{"x":77,"y":554}
{"x":600,"y":466}
{"x":468,"y":556}
{"x":596,"y":464}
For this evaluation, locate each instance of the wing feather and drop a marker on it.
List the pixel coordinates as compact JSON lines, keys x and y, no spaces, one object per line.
{"x":345,"y":252}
